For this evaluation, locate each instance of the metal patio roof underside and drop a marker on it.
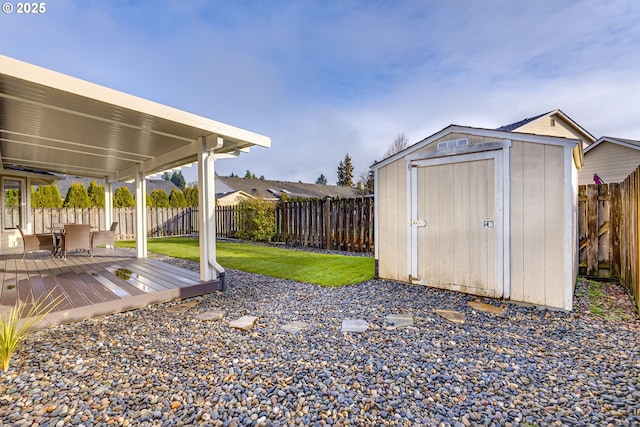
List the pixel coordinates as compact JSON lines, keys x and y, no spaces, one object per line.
{"x":53,"y":122}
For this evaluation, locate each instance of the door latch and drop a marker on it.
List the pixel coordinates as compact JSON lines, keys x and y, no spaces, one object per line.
{"x":488,"y":224}
{"x":419,"y":222}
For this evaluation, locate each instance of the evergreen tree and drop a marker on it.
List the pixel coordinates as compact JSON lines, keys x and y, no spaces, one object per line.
{"x":345,"y":172}
{"x":178,"y":180}
{"x":176,"y":199}
{"x":77,"y":197}
{"x":46,"y":196}
{"x":159,"y":199}
{"x":11,"y":198}
{"x":191,"y":196}
{"x":148,"y":200}
{"x":96,"y":194}
{"x":122,"y":198}
{"x":249,"y":175}
{"x":321,"y":180}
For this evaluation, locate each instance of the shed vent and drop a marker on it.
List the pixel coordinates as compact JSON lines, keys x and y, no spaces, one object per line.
{"x":444,"y":145}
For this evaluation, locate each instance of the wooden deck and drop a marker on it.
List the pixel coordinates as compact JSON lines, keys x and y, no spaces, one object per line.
{"x":110,"y":282}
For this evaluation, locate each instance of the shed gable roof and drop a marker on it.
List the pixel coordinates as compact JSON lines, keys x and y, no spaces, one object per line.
{"x":491,"y":133}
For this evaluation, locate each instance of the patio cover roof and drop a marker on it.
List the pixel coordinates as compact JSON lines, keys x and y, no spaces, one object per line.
{"x":53,"y":122}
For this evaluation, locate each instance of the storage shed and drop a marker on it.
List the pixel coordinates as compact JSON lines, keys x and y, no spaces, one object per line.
{"x":486,"y":212}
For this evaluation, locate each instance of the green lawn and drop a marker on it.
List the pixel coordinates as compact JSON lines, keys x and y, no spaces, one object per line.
{"x":321,"y":269}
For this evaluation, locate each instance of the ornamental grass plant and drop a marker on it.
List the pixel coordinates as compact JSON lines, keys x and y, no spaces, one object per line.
{"x":20,"y":322}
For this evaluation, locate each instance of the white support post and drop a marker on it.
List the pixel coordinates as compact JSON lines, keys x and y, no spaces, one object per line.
{"x":141,"y":214}
{"x":207,"y":206}
{"x":108,"y":203}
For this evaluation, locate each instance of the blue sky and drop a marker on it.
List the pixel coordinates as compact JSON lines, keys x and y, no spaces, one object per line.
{"x":323,"y":78}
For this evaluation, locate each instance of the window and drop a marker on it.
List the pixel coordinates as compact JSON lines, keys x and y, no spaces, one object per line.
{"x":12,"y":203}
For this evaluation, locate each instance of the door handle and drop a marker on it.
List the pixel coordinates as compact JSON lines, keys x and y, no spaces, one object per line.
{"x":486,"y":224}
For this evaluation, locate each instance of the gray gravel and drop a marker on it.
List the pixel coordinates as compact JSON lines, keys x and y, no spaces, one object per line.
{"x":156,"y":367}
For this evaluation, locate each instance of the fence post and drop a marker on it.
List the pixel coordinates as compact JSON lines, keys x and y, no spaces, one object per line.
{"x":327,"y":223}
{"x":284,"y":223}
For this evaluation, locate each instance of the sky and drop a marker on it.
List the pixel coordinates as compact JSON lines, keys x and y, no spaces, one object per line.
{"x":328,"y":78}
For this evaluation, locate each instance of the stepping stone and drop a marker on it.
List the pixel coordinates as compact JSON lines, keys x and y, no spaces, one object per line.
{"x":244,"y":323}
{"x":212,"y":315}
{"x":452,"y":315}
{"x":354,"y":325}
{"x":182,"y":308}
{"x":488,"y":308}
{"x":395,"y":321}
{"x":295,"y":327}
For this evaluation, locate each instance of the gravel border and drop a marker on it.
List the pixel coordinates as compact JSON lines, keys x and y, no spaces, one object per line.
{"x":154,"y":366}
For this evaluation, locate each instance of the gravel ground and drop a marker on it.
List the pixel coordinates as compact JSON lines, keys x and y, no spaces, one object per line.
{"x":156,"y":367}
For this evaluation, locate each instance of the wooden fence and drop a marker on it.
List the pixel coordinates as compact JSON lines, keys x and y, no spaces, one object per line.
{"x":336,"y":224}
{"x":608,"y":218}
{"x":160,"y":221}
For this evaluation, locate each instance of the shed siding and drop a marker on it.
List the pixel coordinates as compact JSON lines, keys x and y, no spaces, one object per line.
{"x":612,"y":162}
{"x":393,"y":221}
{"x":537,"y":224}
{"x":539,"y":262}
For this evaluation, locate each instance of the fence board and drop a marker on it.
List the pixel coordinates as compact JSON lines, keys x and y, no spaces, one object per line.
{"x":608,"y":221}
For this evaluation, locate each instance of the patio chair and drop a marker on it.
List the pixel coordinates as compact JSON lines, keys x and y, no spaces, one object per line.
{"x":37,"y":242}
{"x":104,"y":237}
{"x":76,"y":236}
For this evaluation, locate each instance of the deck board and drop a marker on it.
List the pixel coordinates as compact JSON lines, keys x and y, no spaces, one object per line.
{"x":89,"y":286}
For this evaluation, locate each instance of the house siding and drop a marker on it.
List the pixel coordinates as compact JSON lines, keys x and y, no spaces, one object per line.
{"x":612,"y":162}
{"x":542,"y":126}
{"x":537,"y":224}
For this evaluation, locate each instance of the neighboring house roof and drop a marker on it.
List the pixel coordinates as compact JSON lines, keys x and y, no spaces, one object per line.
{"x":545,"y":124}
{"x":513,"y":126}
{"x":152,"y":184}
{"x":630,"y":143}
{"x":272,"y":190}
{"x":232,"y":197}
{"x":613,"y":159}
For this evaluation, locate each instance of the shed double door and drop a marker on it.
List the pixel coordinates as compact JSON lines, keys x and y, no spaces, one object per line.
{"x":455,"y":225}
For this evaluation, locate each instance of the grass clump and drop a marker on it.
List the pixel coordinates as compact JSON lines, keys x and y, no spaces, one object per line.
{"x":600,"y":302}
{"x":308,"y":267}
{"x":19,"y":323}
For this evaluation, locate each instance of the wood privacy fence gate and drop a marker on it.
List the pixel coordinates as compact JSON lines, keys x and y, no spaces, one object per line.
{"x":608,"y":220}
{"x":335,"y":224}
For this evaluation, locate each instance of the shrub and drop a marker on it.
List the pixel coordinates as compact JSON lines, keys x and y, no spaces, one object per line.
{"x":77,"y":197}
{"x":46,"y":196}
{"x":96,"y":194}
{"x":159,"y":199}
{"x":256,"y":220}
{"x":122,"y":198}
{"x":176,"y":199}
{"x":191,"y":195}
